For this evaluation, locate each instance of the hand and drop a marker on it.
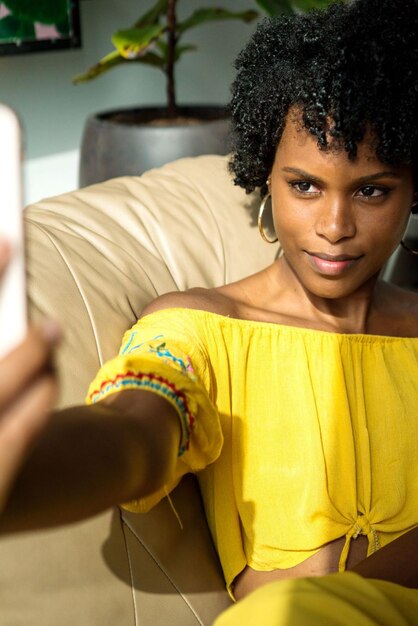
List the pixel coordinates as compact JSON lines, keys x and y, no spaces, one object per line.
{"x":28,"y":390}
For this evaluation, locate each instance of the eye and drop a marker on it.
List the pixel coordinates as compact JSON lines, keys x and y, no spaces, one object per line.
{"x":304,"y":187}
{"x":371,"y":191}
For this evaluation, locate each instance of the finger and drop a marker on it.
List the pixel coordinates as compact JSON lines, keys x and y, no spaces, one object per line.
{"x":29,"y":360}
{"x":5,"y":253}
{"x":28,"y":414}
{"x":19,"y":427}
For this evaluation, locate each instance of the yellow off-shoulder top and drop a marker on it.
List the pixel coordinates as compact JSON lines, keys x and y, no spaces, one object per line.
{"x":298,"y":436}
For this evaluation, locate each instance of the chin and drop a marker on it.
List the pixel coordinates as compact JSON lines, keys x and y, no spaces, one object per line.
{"x":336,"y":288}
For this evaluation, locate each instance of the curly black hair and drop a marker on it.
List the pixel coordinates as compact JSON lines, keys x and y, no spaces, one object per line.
{"x":355,"y":63}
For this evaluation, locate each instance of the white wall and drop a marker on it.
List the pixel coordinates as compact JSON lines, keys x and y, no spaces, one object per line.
{"x":53,"y":110}
{"x":50,"y":175}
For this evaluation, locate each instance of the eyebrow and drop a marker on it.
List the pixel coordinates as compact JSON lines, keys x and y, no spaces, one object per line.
{"x":363,"y":179}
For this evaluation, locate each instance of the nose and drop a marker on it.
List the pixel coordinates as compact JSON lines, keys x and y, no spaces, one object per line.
{"x":335,"y":220}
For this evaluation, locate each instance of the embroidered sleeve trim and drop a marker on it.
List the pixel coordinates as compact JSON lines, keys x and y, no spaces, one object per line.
{"x":157,"y":384}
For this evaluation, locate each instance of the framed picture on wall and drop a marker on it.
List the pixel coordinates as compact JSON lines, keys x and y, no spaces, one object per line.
{"x":30,"y":26}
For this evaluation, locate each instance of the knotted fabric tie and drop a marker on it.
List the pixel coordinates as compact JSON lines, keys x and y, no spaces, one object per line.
{"x":361,"y":526}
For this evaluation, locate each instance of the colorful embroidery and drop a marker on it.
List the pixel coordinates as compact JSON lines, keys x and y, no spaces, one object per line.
{"x":128,"y":347}
{"x":165,"y":354}
{"x":157,"y":384}
{"x":185,"y":366}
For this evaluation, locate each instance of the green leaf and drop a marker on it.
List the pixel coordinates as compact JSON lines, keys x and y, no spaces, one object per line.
{"x":134,"y":42}
{"x":162,"y":46}
{"x":15,"y":29}
{"x":307,"y":5}
{"x":152,"y":16}
{"x":181,"y":49}
{"x":151,"y":58}
{"x":113,"y":60}
{"x":202,"y":16}
{"x":110,"y":60}
{"x":276,"y":7}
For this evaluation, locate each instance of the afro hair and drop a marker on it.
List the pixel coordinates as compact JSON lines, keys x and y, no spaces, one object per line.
{"x":355,"y":63}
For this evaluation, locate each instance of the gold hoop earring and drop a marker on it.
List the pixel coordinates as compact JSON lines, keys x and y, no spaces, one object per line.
{"x":405,"y":247}
{"x":260,"y":219}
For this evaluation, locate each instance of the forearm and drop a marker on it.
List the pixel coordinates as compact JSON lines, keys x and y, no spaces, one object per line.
{"x":397,"y":562}
{"x":90,"y":458}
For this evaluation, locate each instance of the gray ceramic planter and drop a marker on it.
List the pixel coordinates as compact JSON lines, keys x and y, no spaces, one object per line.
{"x":128,"y":142}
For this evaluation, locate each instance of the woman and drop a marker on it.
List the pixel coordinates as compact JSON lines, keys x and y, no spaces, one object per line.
{"x":292,"y":392}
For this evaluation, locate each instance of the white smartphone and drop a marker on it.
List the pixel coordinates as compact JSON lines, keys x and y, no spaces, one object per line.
{"x":13,"y":308}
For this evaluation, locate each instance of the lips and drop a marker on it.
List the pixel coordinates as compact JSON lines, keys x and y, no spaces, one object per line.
{"x":331,"y":265}
{"x":333,"y":257}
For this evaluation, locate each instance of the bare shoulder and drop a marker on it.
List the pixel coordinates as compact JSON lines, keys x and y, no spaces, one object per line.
{"x":246,"y":298}
{"x":198,"y":298}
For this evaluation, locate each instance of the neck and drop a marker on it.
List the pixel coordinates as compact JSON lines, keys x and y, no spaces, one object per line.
{"x":348,"y":314}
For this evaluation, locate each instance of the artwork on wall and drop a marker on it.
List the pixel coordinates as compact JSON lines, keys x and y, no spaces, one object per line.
{"x":28,"y":26}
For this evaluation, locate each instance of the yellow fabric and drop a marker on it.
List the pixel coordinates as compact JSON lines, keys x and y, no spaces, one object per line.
{"x":305,"y":436}
{"x":334,"y":600}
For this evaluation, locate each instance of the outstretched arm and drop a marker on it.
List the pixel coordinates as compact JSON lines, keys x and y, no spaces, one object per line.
{"x":91,"y":457}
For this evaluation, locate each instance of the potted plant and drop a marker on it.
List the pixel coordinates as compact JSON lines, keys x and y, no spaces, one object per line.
{"x":130,"y":141}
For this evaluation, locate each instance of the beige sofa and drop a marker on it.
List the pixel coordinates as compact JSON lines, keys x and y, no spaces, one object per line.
{"x":96,"y":257}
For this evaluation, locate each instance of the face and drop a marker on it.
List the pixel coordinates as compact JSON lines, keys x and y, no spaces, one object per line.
{"x":338,"y":220}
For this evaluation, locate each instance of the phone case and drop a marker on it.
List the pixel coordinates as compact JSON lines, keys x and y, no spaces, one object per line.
{"x":13,"y":310}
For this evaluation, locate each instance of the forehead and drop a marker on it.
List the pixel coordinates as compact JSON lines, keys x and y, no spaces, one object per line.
{"x":297,"y":144}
